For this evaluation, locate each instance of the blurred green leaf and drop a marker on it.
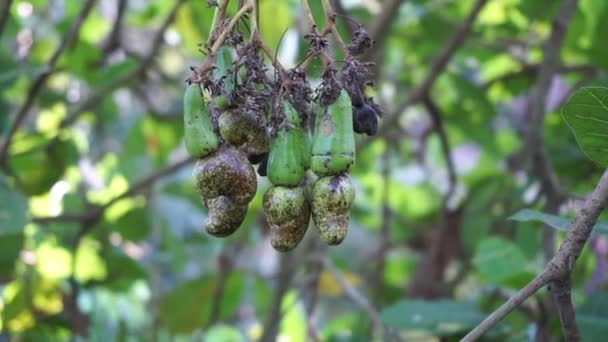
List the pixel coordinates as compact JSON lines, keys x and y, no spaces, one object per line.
{"x":553,"y":221}
{"x":10,"y":246}
{"x":592,"y":317}
{"x":188,"y":306}
{"x":442,"y":317}
{"x":499,"y":261}
{"x":224,"y":333}
{"x":13,"y":210}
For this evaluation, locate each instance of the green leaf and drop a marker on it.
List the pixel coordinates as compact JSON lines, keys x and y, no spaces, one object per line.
{"x":592,"y":318}
{"x":122,"y":271}
{"x":586,"y":113}
{"x":224,"y":333}
{"x":440,"y":317}
{"x":501,"y":262}
{"x":553,"y":221}
{"x":134,"y":225}
{"x":10,"y":246}
{"x":188,"y":306}
{"x":13,"y":211}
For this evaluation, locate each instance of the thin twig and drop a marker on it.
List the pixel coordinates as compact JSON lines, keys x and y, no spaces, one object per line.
{"x":436,"y":117}
{"x":358,"y":299}
{"x":330,"y":21}
{"x":270,"y":54}
{"x":312,"y":28}
{"x":385,"y":231}
{"x":379,"y":29}
{"x":113,"y":41}
{"x":199,"y":72}
{"x":284,"y":278}
{"x":531,"y":70}
{"x":40,"y":81}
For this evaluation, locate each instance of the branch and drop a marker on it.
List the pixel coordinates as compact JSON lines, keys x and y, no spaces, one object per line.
{"x":273,"y":319}
{"x":95,"y":213}
{"x":95,"y":98}
{"x":113,"y":41}
{"x":330,"y":22}
{"x":560,"y":267}
{"x":379,"y":30}
{"x":496,"y":316}
{"x":5,"y":12}
{"x":532,"y":70}
{"x":377,"y":282}
{"x":541,"y":164}
{"x":436,"y":69}
{"x":39,"y":82}
{"x":199,"y":72}
{"x":436,"y":117}
{"x":360,"y":300}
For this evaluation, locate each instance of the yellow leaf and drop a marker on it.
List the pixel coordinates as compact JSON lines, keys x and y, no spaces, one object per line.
{"x":328,"y":286}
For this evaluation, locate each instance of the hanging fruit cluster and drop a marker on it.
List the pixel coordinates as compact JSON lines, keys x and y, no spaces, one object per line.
{"x":240,"y":111}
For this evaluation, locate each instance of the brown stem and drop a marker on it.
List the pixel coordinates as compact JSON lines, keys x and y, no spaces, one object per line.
{"x":383,"y":246}
{"x":113,"y":41}
{"x":284,"y":278}
{"x":200,"y":72}
{"x":558,"y":270}
{"x":436,"y":117}
{"x":330,"y":22}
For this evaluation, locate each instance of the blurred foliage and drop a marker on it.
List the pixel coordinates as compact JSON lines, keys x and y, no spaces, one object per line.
{"x":145,"y":270}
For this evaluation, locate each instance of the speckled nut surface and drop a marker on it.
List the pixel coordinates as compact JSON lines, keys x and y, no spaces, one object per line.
{"x":288,"y":214}
{"x":224,"y":216}
{"x":332,"y":198}
{"x":244,"y":128}
{"x":226,"y":172}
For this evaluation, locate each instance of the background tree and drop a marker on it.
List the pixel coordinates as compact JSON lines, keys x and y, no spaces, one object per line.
{"x":462,"y":196}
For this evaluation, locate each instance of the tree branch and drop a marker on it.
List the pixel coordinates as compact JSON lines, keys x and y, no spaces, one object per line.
{"x":95,"y":98}
{"x":541,"y":164}
{"x":560,"y":267}
{"x":113,"y":41}
{"x":95,"y":213}
{"x":284,"y":278}
{"x":438,"y":66}
{"x":39,"y":82}
{"x":436,"y":117}
{"x":532,"y":70}
{"x":379,"y":29}
{"x":358,"y":299}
